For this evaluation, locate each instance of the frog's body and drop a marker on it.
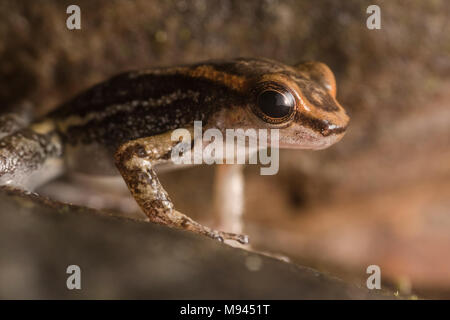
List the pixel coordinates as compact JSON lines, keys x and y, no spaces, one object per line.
{"x":126,"y":123}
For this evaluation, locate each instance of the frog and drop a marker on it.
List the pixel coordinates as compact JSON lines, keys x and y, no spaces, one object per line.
{"x":123,"y":126}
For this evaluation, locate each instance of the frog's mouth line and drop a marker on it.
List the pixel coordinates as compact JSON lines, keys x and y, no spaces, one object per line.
{"x":306,"y":138}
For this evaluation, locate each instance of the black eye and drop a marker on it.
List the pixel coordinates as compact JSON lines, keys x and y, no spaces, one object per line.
{"x":275,"y":105}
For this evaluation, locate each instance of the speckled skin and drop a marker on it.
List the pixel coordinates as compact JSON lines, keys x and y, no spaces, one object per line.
{"x":125,"y":124}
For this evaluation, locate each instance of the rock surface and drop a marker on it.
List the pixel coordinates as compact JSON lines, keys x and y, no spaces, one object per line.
{"x":121,"y":258}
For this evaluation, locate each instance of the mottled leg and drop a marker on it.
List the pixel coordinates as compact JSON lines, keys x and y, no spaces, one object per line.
{"x":31,"y":156}
{"x":135,"y":161}
{"x":14,"y":118}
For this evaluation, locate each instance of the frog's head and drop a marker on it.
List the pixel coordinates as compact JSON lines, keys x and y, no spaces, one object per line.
{"x":301,"y":102}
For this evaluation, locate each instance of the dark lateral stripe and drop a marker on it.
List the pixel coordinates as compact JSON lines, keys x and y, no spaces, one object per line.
{"x":124,"y":89}
{"x":143,"y":121}
{"x":318,"y":125}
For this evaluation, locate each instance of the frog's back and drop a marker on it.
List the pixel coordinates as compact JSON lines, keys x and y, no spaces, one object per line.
{"x":138,"y":104}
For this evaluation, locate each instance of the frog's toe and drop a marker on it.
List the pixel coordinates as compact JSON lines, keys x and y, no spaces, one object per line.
{"x":241,"y":238}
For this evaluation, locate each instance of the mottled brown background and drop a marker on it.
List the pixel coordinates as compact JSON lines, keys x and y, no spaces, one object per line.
{"x":381,"y":196}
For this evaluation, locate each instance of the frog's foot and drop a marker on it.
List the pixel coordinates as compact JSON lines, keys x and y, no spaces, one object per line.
{"x":134,"y":162}
{"x":222,"y":236}
{"x":191,"y":225}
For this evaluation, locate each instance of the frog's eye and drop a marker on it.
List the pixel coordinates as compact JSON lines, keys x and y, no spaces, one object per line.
{"x":275,"y":105}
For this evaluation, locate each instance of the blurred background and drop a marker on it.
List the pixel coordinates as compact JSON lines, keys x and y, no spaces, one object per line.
{"x":380,"y":196}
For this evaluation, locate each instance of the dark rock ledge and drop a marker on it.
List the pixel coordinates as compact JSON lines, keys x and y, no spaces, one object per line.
{"x":121,"y":258}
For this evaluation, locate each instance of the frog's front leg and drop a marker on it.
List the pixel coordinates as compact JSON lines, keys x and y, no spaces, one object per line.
{"x":136,"y":160}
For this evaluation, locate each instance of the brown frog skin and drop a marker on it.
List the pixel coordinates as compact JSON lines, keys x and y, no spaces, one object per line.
{"x":124,"y":125}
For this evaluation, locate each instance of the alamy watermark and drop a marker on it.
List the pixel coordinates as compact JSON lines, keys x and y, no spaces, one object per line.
{"x":73,"y":22}
{"x":74,"y":280}
{"x":210,"y":147}
{"x":374,"y":280}
{"x":374,"y":20}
